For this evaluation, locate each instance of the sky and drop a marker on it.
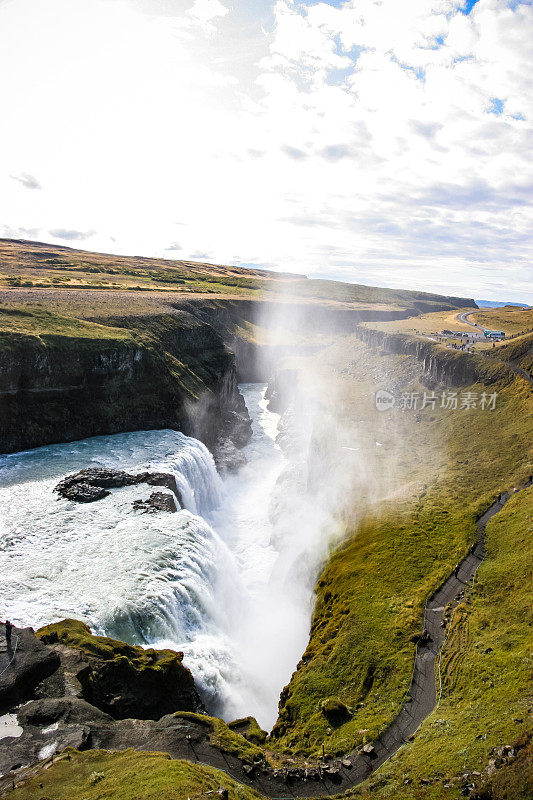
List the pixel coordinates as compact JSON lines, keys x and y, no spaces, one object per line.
{"x":373,"y":141}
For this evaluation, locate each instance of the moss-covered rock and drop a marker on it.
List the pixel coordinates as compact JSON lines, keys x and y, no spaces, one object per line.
{"x":335,"y":711}
{"x":224,"y":737}
{"x":250,"y":729}
{"x":123,"y":680}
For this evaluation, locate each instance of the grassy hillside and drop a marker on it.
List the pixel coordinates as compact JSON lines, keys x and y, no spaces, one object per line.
{"x":436,"y":471}
{"x":96,"y":774}
{"x":29,"y":269}
{"x":25,"y":321}
{"x":486,"y":669}
{"x":518,"y":351}
{"x":336,"y":290}
{"x":509,"y":319}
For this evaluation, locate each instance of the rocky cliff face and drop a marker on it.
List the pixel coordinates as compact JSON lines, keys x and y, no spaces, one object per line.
{"x":169,"y":370}
{"x":440,"y":365}
{"x":256,"y":361}
{"x":69,"y":688}
{"x":178,"y":370}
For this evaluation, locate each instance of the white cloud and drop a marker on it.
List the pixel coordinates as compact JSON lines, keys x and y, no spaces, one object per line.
{"x":71,"y":235}
{"x":355,"y":141}
{"x":207,"y":10}
{"x":28,"y":181}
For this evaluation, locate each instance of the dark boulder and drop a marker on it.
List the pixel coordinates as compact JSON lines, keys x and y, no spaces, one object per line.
{"x":165,"y":479}
{"x":74,"y":487}
{"x":84,"y":493}
{"x":94,"y":483}
{"x":249,"y":728}
{"x":335,"y":711}
{"x":101,"y":476}
{"x":369,"y":750}
{"x":158,"y":501}
{"x":23,"y":664}
{"x":41,"y":713}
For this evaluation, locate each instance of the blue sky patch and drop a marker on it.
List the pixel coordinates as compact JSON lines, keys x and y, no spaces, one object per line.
{"x":496,"y":106}
{"x":337,"y":75}
{"x":469,"y":5}
{"x":419,"y":72}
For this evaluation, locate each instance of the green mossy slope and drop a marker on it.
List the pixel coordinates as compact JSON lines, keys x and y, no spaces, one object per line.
{"x":487,"y":679}
{"x":99,"y":775}
{"x":371,"y":593}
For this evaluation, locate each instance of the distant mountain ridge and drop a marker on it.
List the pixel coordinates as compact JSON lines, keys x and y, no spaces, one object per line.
{"x":500,"y":303}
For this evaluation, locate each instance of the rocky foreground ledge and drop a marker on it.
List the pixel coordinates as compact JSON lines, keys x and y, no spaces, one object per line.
{"x":59,"y":683}
{"x":65,"y":660}
{"x":66,"y":688}
{"x":72,"y":678}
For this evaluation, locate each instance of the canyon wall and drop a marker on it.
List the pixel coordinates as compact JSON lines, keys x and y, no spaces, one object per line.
{"x":163,"y":371}
{"x":440,"y":364}
{"x":178,"y":370}
{"x":243,"y":323}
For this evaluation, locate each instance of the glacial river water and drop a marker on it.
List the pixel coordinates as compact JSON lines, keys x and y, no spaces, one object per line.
{"x":228,"y":579}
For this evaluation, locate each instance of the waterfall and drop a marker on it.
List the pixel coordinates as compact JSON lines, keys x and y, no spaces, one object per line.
{"x":143,"y":578}
{"x":228,"y":579}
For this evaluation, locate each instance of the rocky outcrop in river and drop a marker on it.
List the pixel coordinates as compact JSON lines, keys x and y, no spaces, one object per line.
{"x":95,"y":483}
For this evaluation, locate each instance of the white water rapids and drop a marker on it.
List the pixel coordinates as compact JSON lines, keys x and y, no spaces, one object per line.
{"x":227,"y":580}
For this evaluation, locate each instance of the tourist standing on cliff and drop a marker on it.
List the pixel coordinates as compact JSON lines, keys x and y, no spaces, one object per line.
{"x":9,"y":629}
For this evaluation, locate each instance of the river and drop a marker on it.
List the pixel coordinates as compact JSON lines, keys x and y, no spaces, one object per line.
{"x":221,"y":580}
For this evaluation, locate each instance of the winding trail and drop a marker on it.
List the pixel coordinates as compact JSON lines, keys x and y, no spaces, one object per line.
{"x":422,"y":699}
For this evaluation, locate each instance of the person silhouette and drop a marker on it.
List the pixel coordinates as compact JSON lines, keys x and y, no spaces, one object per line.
{"x":9,"y":630}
